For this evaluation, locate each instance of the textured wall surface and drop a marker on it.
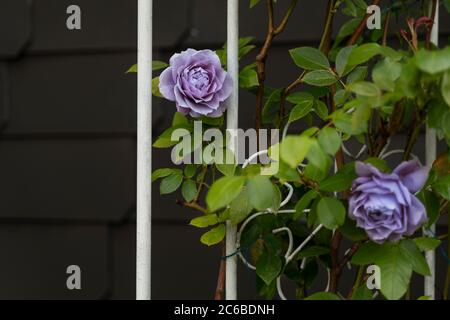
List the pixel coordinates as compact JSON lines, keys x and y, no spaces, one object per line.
{"x":67,"y":144}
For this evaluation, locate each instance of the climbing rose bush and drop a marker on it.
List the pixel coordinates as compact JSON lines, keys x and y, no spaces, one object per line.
{"x":342,"y":195}
{"x":197,"y":83}
{"x":384,"y":204}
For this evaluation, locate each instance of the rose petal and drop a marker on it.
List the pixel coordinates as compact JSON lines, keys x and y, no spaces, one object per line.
{"x":412,"y":175}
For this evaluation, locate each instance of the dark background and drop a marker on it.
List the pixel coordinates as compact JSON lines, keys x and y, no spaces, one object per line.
{"x":68,"y":143}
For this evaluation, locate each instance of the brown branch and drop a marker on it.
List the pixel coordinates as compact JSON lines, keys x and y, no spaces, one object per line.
{"x":386,"y":28}
{"x":362,"y":25}
{"x":220,"y":288}
{"x":413,"y":134}
{"x":395,"y":122}
{"x":261,"y":58}
{"x":192,"y":205}
{"x":336,"y":271}
{"x":285,"y":20}
{"x":328,"y":29}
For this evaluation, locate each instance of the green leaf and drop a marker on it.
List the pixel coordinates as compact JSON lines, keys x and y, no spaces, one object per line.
{"x":293,"y":149}
{"x":189,"y":170}
{"x":304,"y":202}
{"x":329,"y":140}
{"x":323,"y":296}
{"x":363,"y":53}
{"x":351,"y":231}
{"x":205,"y":221}
{"x":156,"y":65}
{"x":155,"y":88}
{"x":365,"y":89}
{"x":227,"y":168}
{"x":223,"y":191}
{"x":254,"y":3}
{"x":268,"y":267}
{"x":360,"y":117}
{"x":170,"y":183}
{"x":300,"y":110}
{"x":321,"y":109}
{"x":313,"y":251}
{"x":447,"y":5}
{"x":445,"y":87}
{"x":270,"y":109}
{"x":240,"y":207}
{"x":309,"y":58}
{"x":378,"y":163}
{"x":433,"y":62}
{"x":395,"y":271}
{"x":179,"y":119}
{"x":385,"y":73}
{"x":165,"y":139}
{"x":341,"y":181}
{"x":358,"y":74}
{"x":426,"y":243}
{"x":133,"y":69}
{"x":415,"y":257}
{"x":342,"y":59}
{"x":262,"y":193}
{"x":317,"y":157}
{"x":368,"y":253}
{"x":189,"y":190}
{"x":331,"y":212}
{"x":362,"y":293}
{"x":442,"y":186}
{"x":432,"y":206}
{"x":163,"y":172}
{"x":320,"y":78}
{"x":214,"y":236}
{"x":299,"y":97}
{"x":248,"y":78}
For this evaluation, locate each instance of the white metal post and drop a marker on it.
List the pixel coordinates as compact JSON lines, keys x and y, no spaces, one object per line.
{"x":232,"y":124}
{"x":430,"y":156}
{"x":144,"y":151}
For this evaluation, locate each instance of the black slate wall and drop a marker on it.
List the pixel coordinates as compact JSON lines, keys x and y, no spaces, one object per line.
{"x":67,"y":144}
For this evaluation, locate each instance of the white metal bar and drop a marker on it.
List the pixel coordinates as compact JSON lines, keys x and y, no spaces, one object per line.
{"x":144,"y":151}
{"x":232,"y":123}
{"x":430,"y":156}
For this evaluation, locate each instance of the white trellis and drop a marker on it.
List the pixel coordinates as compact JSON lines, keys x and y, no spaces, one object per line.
{"x":144,"y":151}
{"x":144,"y":138}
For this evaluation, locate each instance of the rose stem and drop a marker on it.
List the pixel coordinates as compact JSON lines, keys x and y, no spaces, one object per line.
{"x":262,"y":55}
{"x":220,"y":288}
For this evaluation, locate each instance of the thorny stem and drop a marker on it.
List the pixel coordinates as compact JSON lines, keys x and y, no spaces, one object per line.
{"x":447,"y":276}
{"x":220,"y":288}
{"x":358,"y":279}
{"x":272,"y":31}
{"x":324,"y":46}
{"x":359,"y":30}
{"x":192,"y":205}
{"x":326,"y":35}
{"x":386,"y":28}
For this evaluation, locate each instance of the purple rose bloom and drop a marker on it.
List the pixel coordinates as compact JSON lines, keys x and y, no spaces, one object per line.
{"x":384,"y":205}
{"x":197,"y":83}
